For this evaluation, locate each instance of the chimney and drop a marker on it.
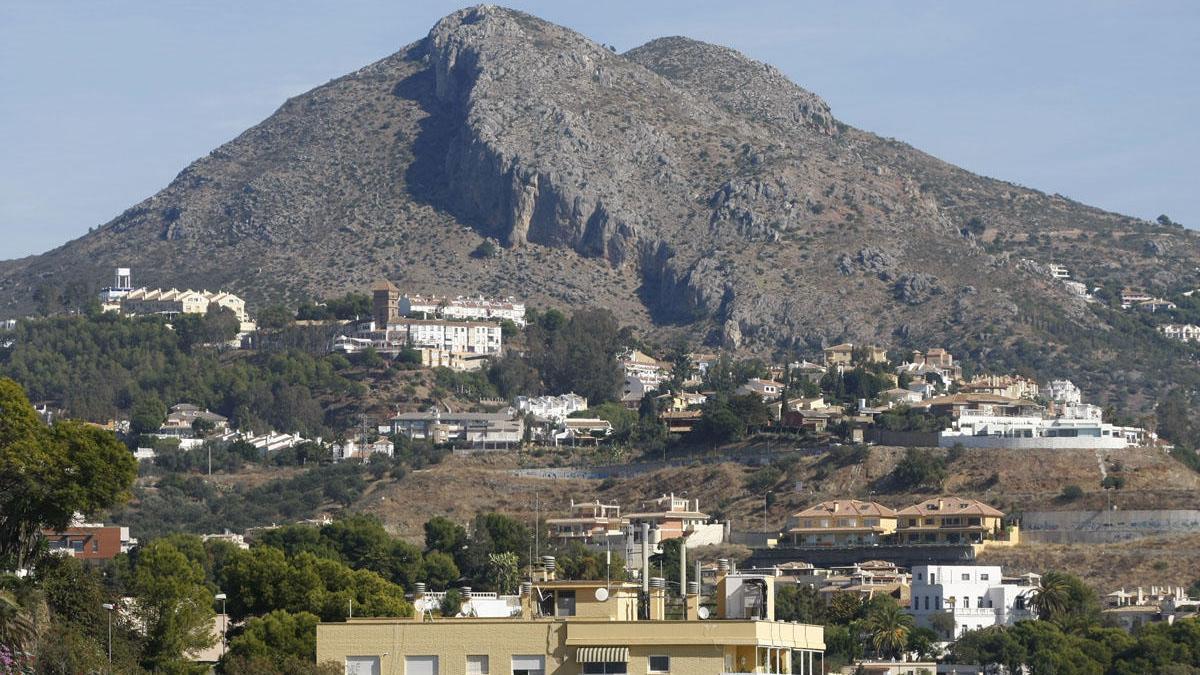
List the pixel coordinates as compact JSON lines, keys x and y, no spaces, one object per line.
{"x":691,"y":602}
{"x":835,"y":507}
{"x":719,"y":585}
{"x":683,"y":575}
{"x":526,"y":600}
{"x":645,"y":557}
{"x":658,"y":599}
{"x":418,"y":599}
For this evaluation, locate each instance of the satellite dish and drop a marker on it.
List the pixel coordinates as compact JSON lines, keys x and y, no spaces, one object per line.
{"x":702,"y":612}
{"x":601,"y":594}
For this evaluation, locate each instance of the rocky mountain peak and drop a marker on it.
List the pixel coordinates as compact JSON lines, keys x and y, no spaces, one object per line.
{"x":736,"y":82}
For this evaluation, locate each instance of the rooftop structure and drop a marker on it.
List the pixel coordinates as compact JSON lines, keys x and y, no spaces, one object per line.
{"x":551,"y":408}
{"x":571,"y":627}
{"x":588,"y":522}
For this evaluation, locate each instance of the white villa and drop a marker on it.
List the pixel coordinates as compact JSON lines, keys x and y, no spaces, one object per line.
{"x":1183,"y":332}
{"x":975,"y":596}
{"x":1063,"y":391}
{"x":463,"y":308}
{"x":551,"y":408}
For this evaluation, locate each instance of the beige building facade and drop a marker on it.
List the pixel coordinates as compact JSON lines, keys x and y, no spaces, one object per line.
{"x":578,"y":628}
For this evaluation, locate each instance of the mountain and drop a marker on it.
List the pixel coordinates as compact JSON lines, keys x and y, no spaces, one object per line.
{"x":690,"y":189}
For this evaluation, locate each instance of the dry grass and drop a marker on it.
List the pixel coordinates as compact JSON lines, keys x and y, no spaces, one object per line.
{"x":1159,"y":561}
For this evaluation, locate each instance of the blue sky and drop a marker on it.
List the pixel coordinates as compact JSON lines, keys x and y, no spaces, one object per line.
{"x":102,"y":103}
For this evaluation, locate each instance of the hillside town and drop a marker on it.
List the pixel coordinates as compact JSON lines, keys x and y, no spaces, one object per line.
{"x":674,"y":568}
{"x":513,"y":347}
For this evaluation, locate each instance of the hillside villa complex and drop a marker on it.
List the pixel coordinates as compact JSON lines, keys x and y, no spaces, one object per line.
{"x":121,"y":297}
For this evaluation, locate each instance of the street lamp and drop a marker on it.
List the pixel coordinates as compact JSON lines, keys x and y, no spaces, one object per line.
{"x":224,"y":619}
{"x":109,"y":607}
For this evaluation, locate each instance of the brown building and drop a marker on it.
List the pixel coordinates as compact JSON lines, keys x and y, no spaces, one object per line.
{"x":90,"y":542}
{"x":385,"y":303}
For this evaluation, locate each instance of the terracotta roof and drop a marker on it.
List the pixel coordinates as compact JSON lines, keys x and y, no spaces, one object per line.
{"x":951,"y":506}
{"x":851,"y":507}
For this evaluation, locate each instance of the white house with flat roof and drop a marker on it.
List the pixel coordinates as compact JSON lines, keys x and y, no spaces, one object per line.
{"x":975,"y":596}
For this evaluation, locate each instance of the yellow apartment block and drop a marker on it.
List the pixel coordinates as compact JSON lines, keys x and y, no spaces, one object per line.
{"x":576,"y":628}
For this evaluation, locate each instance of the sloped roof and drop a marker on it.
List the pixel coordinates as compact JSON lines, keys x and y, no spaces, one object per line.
{"x":851,"y":507}
{"x":951,"y":506}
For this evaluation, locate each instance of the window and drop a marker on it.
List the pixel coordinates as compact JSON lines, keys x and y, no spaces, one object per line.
{"x":920,"y":575}
{"x":983,"y":577}
{"x":529,"y":665}
{"x":565,"y":603}
{"x":413,"y":665}
{"x":362,"y":665}
{"x":477,"y":665}
{"x":932,"y":578}
{"x":660,"y":664}
{"x":966,"y":576}
{"x":619,"y":667}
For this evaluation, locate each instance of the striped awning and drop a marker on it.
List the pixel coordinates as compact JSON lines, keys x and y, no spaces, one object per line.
{"x":602,"y":654}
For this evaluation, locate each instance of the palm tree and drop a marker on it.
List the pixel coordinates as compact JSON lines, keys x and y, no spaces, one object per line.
{"x":1052,"y":596}
{"x":888,"y":627}
{"x":17,"y":628}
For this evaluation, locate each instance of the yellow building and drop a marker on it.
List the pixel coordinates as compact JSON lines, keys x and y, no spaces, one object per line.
{"x":842,"y":522}
{"x":950,"y":520}
{"x":578,"y":627}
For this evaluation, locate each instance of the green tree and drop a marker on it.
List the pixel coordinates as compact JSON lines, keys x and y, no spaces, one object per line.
{"x":888,"y":628}
{"x":503,"y":572}
{"x":174,"y":605}
{"x":1051,"y":599}
{"x":47,"y":474}
{"x":147,"y":415}
{"x":920,"y":468}
{"x":445,"y":535}
{"x":440,"y":570}
{"x":279,"y":637}
{"x":799,"y":603}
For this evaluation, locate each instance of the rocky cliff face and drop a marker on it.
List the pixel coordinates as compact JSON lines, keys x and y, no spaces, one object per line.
{"x":689,"y":188}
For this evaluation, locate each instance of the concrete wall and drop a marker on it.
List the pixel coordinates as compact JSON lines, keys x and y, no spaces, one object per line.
{"x":904,"y":439}
{"x":1098,"y":527}
{"x":1044,"y":443}
{"x":904,"y":556}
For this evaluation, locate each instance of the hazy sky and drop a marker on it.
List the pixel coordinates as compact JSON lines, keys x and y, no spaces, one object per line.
{"x":102,"y":103}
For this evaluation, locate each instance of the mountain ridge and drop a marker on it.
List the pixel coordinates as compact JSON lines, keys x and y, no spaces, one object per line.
{"x":692,"y":190}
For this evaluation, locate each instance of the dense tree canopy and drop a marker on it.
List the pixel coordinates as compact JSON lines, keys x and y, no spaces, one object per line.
{"x":47,"y":474}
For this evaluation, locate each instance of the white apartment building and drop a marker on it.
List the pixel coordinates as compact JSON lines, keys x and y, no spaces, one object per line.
{"x":357,"y":449}
{"x":463,"y":337}
{"x":551,"y":408}
{"x":463,"y":308}
{"x":478,"y":430}
{"x":1062,"y":391}
{"x":1059,"y":271}
{"x":1080,"y":425}
{"x":173,"y":302}
{"x":1183,"y":332}
{"x":975,"y":596}
{"x":645,"y":368}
